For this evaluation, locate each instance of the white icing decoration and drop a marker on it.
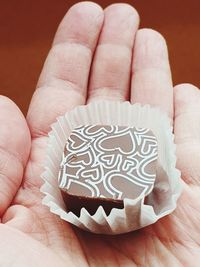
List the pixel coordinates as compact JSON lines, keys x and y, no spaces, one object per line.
{"x":95,"y":165}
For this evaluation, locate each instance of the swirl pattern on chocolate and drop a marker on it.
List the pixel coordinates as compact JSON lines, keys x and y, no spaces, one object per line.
{"x":114,"y":162}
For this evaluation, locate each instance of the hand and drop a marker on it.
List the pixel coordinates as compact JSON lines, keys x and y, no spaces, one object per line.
{"x":29,"y":234}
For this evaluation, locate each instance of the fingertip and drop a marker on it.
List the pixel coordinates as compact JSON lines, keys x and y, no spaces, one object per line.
{"x":7,"y":104}
{"x":153,"y":40}
{"x":4,"y":100}
{"x":123,"y":8}
{"x":87,"y":6}
{"x":83,"y":11}
{"x":87,"y":10}
{"x":81,"y":20}
{"x":185,"y":94}
{"x":186,"y":87}
{"x":120,"y":25}
{"x":150,"y":50}
{"x":151,"y":34}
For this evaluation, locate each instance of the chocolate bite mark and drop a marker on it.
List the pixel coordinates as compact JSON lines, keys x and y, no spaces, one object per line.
{"x":111,"y":163}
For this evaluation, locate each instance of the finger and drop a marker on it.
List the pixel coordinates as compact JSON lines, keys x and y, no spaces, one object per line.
{"x":14,"y":150}
{"x":151,"y":79}
{"x":187,"y":131}
{"x":63,"y":81}
{"x":110,"y":75}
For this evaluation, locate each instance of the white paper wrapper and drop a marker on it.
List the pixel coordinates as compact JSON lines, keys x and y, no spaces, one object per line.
{"x":135,"y":214}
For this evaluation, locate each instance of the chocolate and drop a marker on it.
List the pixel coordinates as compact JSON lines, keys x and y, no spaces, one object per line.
{"x":103,"y":165}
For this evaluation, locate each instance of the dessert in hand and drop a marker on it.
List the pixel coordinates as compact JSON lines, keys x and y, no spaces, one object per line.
{"x":104,"y":164}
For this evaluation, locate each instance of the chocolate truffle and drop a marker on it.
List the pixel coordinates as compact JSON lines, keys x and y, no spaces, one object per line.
{"x":102,"y":165}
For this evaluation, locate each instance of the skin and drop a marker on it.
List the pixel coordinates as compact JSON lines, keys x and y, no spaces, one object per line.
{"x":128,"y":64}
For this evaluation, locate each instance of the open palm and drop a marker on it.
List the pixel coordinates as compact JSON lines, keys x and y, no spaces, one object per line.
{"x":29,"y":234}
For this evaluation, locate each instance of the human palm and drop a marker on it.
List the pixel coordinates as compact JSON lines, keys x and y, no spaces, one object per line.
{"x":30,"y":234}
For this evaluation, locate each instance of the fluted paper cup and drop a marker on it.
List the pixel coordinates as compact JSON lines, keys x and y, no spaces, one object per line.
{"x":136,"y":213}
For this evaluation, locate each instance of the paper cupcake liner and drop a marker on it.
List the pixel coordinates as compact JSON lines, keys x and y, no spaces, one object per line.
{"x":135,"y":214}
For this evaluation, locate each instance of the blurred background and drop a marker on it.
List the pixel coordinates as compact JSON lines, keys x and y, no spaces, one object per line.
{"x":27,"y":28}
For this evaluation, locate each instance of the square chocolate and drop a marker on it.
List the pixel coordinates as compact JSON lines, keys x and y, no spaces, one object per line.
{"x":104,"y":164}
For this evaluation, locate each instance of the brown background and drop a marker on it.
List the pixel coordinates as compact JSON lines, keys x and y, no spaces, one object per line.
{"x":27,"y":28}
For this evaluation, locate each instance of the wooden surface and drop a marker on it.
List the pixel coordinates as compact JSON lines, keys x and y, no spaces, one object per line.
{"x":27,"y":28}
